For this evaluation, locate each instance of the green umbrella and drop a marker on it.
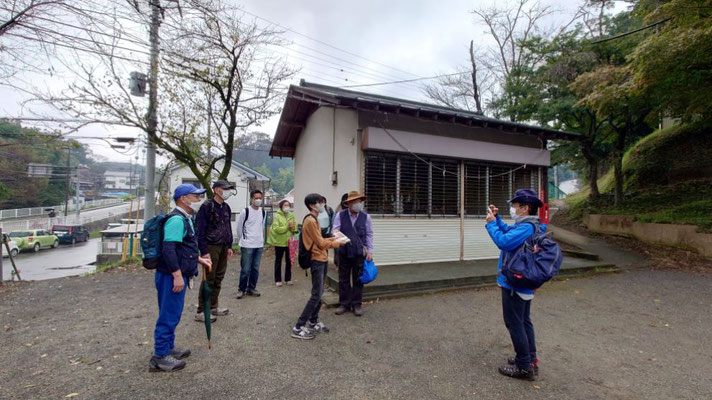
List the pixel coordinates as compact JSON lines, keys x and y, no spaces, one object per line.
{"x":206,"y":291}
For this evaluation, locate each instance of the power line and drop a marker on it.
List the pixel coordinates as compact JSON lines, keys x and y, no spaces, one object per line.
{"x":407,"y":80}
{"x":632,"y":32}
{"x":325,"y":44}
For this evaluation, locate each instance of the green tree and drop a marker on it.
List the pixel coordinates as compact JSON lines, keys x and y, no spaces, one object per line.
{"x":673,"y":65}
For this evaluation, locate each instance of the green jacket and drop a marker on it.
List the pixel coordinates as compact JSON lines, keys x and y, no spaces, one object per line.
{"x":279,"y":233}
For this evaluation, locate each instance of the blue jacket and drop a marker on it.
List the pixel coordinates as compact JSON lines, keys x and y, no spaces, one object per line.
{"x":509,"y":239}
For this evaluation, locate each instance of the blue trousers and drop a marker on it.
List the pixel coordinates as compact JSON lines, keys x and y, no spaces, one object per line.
{"x":170,"y":308}
{"x":519,"y":324}
{"x":250,"y":268}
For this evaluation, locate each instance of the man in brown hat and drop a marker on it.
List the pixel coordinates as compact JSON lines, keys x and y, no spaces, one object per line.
{"x":357,"y":226}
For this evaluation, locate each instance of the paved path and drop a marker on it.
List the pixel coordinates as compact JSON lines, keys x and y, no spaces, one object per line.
{"x":642,"y":334}
{"x":65,"y":260}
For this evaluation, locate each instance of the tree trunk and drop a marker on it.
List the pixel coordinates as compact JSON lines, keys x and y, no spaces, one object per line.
{"x":587,"y":152}
{"x":475,"y":87}
{"x":618,"y":160}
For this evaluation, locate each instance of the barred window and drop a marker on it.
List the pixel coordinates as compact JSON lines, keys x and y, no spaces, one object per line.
{"x":406,"y":185}
{"x":424,"y":186}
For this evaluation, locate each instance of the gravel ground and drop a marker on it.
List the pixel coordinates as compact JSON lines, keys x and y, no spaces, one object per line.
{"x":640,"y":334}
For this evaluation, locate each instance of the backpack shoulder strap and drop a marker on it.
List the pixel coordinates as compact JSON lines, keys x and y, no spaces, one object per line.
{"x":304,"y":220}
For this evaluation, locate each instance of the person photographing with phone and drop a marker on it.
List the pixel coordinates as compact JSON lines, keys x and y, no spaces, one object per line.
{"x":516,"y":301}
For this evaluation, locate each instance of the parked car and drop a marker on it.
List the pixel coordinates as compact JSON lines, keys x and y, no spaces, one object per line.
{"x":34,"y":239}
{"x":70,"y":234}
{"x":11,"y":244}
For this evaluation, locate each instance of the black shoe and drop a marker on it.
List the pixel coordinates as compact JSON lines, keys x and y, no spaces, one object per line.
{"x":254,"y":293}
{"x":167,"y":363}
{"x":513,"y":372}
{"x":180,"y":353}
{"x":535,"y":364}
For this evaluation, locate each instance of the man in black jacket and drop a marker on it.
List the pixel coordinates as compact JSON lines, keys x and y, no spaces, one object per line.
{"x":214,"y":229}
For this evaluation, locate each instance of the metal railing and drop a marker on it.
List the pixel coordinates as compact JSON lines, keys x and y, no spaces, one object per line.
{"x":47,"y":223}
{"x":40,"y":211}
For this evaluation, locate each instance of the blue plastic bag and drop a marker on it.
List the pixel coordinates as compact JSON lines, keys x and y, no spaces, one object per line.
{"x":370,"y":272}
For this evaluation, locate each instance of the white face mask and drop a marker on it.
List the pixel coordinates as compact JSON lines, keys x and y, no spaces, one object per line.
{"x":225,"y":194}
{"x":319,"y":207}
{"x":323,"y":218}
{"x":513,"y":213}
{"x":196,"y":206}
{"x":286,"y":210}
{"x":358,"y":207}
{"x":258,"y":203}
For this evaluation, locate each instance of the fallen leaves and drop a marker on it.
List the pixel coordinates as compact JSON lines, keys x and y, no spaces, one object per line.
{"x":70,"y":395}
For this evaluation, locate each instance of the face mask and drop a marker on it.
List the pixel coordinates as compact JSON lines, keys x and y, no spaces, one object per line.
{"x":226,"y":195}
{"x":258,"y":203}
{"x":196,"y":206}
{"x":358,"y":207}
{"x":286,"y":210}
{"x":513,"y":213}
{"x":323,"y":218}
{"x":319,"y":207}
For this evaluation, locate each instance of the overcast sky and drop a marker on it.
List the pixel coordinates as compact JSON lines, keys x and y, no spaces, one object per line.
{"x":396,"y":39}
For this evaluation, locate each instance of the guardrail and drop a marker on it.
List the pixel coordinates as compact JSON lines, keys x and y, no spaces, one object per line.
{"x":40,"y":211}
{"x":47,"y":223}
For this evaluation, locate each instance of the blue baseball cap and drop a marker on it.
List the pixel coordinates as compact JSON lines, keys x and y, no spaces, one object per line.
{"x":186,"y":189}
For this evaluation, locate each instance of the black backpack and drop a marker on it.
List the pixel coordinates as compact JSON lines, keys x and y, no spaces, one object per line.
{"x":304,"y":255}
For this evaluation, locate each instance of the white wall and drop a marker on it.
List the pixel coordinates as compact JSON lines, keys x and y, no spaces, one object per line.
{"x":236,"y":202}
{"x":313,"y":157}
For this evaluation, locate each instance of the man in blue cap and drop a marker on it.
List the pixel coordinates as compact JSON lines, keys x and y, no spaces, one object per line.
{"x":179,"y":262}
{"x":516,"y":302}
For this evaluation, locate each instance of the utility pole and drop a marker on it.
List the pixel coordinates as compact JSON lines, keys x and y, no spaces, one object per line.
{"x":66,"y":185}
{"x":76,"y":196}
{"x":151,"y":116}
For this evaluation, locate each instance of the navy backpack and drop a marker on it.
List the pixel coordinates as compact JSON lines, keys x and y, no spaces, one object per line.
{"x":534,"y":263}
{"x":152,"y":240}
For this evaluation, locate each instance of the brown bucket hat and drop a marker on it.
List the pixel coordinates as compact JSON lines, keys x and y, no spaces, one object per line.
{"x":354,"y":195}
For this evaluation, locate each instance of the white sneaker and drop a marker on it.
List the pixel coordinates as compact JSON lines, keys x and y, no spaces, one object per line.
{"x":279,"y":284}
{"x":302,"y":333}
{"x":319,"y":327}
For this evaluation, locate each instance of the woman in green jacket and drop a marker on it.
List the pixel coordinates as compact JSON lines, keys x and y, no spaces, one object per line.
{"x":283,"y":228}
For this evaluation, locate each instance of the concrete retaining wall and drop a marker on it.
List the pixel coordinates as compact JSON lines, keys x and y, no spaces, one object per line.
{"x":684,"y":236}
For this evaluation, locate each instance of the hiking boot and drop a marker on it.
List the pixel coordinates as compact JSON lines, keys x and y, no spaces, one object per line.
{"x":535,"y":364}
{"x":240,"y":294}
{"x":319,"y":327}
{"x":358,"y":311}
{"x":513,"y":371}
{"x":340,"y":310}
{"x":200,"y":317}
{"x":220,"y":312}
{"x":254,"y":293}
{"x":167,"y":363}
{"x":302,"y":333}
{"x":179,"y":353}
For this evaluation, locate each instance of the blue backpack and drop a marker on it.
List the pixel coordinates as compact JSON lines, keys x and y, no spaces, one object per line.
{"x":534,"y":263}
{"x":152,"y":240}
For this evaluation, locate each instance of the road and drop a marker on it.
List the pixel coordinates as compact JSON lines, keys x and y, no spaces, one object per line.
{"x":66,"y":260}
